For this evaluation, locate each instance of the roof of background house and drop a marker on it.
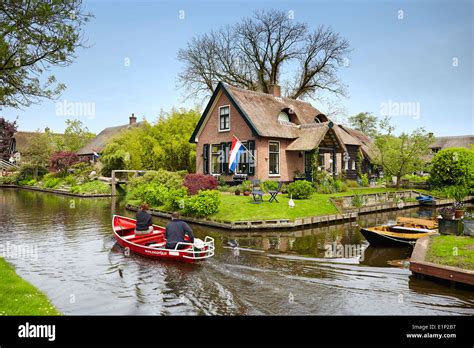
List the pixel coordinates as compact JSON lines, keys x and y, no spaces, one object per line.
{"x":453,"y":141}
{"x":23,"y":139}
{"x":98,"y":143}
{"x":364,"y":141}
{"x":260,"y":112}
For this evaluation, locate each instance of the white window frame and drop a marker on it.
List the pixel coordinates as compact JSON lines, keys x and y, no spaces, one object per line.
{"x":279,"y":158}
{"x":219,"y":119}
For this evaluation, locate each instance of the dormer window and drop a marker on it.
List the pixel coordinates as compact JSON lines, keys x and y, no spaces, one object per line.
{"x":224,"y":118}
{"x":283,"y":116}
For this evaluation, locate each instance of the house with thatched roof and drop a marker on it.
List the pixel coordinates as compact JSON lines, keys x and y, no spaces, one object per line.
{"x":442,"y":143}
{"x":97,"y":144}
{"x":280,"y":135}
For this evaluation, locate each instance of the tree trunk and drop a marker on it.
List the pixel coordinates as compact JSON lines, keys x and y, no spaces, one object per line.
{"x":398,"y":182}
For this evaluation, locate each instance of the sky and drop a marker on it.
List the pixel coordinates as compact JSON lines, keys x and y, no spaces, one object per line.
{"x":411,"y":60}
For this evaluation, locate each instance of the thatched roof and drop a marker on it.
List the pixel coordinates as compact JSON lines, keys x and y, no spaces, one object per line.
{"x":364,"y":141}
{"x":260,"y":111}
{"x":100,"y":141}
{"x":23,"y":139}
{"x":453,"y":141}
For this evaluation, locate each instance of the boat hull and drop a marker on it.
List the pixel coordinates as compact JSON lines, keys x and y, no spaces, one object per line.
{"x":392,"y":239}
{"x":152,"y":245}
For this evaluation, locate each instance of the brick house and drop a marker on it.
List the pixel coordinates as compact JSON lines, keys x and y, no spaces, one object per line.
{"x":280,"y":133}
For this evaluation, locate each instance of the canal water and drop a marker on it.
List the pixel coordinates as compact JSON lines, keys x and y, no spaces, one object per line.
{"x":65,"y":247}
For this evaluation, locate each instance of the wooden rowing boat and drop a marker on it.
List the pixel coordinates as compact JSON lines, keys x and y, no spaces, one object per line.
{"x":154,"y":244}
{"x":405,"y":232}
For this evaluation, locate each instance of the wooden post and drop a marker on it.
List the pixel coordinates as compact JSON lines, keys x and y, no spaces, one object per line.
{"x":113,"y":183}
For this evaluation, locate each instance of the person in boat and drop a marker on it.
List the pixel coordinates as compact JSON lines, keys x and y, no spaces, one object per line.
{"x":176,"y":230}
{"x":144,"y":223}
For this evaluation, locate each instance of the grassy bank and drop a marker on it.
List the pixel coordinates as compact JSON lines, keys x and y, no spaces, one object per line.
{"x":238,"y":208}
{"x":18,"y":297}
{"x":455,"y":251}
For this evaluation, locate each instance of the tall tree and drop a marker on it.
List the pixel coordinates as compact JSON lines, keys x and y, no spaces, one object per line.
{"x":38,"y":152}
{"x":253,"y":54}
{"x":76,"y":135}
{"x":7,"y":131}
{"x":401,"y":155}
{"x":34,"y":36}
{"x":364,"y":122}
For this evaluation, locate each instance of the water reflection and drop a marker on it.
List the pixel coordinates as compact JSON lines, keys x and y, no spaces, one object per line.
{"x":84,"y":271}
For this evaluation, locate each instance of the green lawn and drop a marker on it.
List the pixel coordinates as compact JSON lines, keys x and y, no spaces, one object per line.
{"x":18,"y":297}
{"x":456,"y":251}
{"x":236,"y":208}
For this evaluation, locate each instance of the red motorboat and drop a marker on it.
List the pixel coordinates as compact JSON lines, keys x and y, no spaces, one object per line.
{"x":154,"y":244}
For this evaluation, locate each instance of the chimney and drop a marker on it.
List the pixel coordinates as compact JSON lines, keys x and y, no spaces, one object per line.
{"x":133,"y":119}
{"x":274,"y":90}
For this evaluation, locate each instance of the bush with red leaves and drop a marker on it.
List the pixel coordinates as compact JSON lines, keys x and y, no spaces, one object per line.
{"x":197,"y":182}
{"x":62,"y":160}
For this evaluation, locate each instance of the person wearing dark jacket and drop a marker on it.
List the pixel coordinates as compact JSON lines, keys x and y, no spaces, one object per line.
{"x":144,"y":223}
{"x":176,"y":230}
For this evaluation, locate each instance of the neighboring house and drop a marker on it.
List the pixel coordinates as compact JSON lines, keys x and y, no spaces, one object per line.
{"x":22,"y":141}
{"x":97,"y":144}
{"x":442,"y":143}
{"x":281,"y":133}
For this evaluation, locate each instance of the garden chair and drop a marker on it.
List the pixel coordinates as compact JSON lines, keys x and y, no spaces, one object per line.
{"x":257,"y":192}
{"x":274,"y":193}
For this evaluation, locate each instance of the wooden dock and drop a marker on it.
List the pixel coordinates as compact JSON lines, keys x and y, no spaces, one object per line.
{"x":418,"y":265}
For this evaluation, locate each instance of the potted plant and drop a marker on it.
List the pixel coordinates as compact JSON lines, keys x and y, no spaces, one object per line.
{"x":237,"y":190}
{"x":459,"y":193}
{"x":447,"y":213}
{"x":246,"y":188}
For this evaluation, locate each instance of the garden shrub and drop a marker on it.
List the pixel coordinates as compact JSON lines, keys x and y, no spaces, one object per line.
{"x":339,"y":186}
{"x":454,"y":166}
{"x":198,"y":182}
{"x":364,"y":180}
{"x":92,"y":187}
{"x":300,"y":189}
{"x":269,"y":185}
{"x":51,"y":182}
{"x":11,"y":179}
{"x":26,"y":172}
{"x":203,"y":204}
{"x":159,"y":177}
{"x":351,"y":183}
{"x":70,"y":180}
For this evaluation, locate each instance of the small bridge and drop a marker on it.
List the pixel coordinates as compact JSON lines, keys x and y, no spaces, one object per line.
{"x":118,"y":177}
{"x":5,"y":165}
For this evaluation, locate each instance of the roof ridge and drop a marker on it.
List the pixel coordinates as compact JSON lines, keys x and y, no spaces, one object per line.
{"x":249,"y":91}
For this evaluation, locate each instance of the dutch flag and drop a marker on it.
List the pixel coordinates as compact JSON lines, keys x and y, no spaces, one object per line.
{"x":236,"y":149}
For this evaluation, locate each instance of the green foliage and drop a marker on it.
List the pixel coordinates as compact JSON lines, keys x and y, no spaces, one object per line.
{"x":76,"y":136}
{"x":357,"y":200}
{"x":269,"y":185}
{"x":458,"y":193}
{"x":70,"y":180}
{"x":416,"y":178}
{"x":300,"y":189}
{"x":164,"y":145}
{"x":38,"y":152}
{"x":203,"y":204}
{"x":453,"y":166}
{"x":51,"y":182}
{"x":340,"y":186}
{"x":92,"y":187}
{"x":45,"y":34}
{"x":9,"y":179}
{"x":401,"y":155}
{"x":364,"y":180}
{"x":31,"y":182}
{"x":246,"y":185}
{"x":81,"y":171}
{"x":26,"y":171}
{"x":364,"y":122}
{"x":351,"y":183}
{"x":159,"y":177}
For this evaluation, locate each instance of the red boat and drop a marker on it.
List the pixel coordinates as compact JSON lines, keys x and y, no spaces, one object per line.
{"x":154,"y":244}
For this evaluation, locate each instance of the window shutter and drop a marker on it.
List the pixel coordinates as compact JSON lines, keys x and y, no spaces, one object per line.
{"x":205,"y":153}
{"x":250,"y":159}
